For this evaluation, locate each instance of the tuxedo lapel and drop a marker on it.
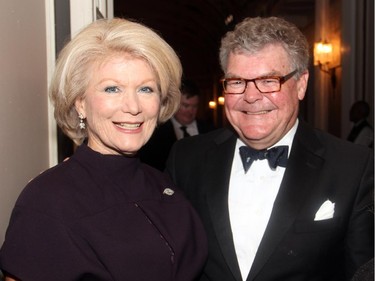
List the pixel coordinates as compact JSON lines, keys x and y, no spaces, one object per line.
{"x":218,"y":165}
{"x":302,"y":170}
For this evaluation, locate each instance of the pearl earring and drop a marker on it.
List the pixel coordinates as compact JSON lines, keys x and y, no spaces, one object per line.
{"x":82,"y":124}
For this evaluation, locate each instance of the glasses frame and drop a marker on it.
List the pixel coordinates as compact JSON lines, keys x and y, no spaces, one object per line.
{"x":282,"y":80}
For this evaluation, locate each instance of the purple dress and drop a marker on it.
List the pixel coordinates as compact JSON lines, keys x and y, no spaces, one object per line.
{"x":103,"y":217}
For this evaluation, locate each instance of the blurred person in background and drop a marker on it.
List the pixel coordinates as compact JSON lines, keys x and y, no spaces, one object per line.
{"x":183,"y":124}
{"x":362,"y":133}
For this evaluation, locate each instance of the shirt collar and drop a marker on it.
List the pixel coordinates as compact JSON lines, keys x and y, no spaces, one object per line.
{"x":285,"y":140}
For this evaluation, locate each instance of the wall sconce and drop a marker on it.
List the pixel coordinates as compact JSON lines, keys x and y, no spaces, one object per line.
{"x":212,"y":104}
{"x":324,"y":57}
{"x":220,"y":100}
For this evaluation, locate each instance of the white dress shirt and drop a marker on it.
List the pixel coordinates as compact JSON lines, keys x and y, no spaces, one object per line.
{"x":250,"y":201}
{"x":365,"y":137}
{"x":191,"y":128}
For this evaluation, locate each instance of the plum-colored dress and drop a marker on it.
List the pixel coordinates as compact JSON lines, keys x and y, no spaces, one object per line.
{"x":103,"y":217}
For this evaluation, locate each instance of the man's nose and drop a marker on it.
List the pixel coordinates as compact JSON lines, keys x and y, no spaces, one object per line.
{"x":252,"y":93}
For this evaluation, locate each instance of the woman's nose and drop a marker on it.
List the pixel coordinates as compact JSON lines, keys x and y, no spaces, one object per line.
{"x":130,"y":103}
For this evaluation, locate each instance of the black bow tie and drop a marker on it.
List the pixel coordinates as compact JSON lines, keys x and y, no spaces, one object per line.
{"x":276,"y":156}
{"x":184,"y":131}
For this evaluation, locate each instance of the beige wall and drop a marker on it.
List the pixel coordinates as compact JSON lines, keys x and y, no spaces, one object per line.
{"x":28,"y":142}
{"x":24,"y":106}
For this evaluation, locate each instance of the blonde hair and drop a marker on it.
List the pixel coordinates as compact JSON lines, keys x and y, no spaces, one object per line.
{"x":253,"y":34}
{"x":97,"y":42}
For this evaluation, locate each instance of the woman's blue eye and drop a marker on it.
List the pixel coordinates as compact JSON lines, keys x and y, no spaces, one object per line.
{"x":146,"y":90}
{"x":112,"y":89}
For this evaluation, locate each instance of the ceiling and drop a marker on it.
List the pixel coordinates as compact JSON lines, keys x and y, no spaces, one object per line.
{"x":194,"y":27}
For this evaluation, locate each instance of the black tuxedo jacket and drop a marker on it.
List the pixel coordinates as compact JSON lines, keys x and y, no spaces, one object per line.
{"x":294,"y":246}
{"x":156,"y":150}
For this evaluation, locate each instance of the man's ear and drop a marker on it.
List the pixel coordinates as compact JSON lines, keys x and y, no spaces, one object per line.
{"x":302,"y":85}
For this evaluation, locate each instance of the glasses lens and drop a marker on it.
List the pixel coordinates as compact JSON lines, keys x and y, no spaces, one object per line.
{"x":234,"y":86}
{"x":267,"y":85}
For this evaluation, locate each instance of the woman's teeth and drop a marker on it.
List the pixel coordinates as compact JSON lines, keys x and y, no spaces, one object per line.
{"x":128,"y":125}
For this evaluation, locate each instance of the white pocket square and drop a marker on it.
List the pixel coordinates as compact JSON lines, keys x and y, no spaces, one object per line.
{"x":325,"y":211}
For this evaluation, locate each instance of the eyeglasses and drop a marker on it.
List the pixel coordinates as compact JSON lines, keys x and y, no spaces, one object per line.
{"x":265,"y":84}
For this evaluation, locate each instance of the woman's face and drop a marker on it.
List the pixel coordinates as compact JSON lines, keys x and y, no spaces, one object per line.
{"x":121,"y":105}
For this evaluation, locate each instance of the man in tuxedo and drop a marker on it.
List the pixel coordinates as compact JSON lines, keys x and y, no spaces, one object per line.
{"x":183,"y":124}
{"x":362,"y":133}
{"x":279,"y":200}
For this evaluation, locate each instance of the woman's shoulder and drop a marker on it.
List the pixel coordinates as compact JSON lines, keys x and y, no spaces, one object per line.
{"x":50,"y":189}
{"x":53,"y":177}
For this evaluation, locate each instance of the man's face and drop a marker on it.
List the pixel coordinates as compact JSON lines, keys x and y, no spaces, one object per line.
{"x":188,"y":110}
{"x":262,"y":119}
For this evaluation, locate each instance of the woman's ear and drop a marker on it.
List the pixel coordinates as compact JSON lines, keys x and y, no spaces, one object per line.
{"x":79,"y":104}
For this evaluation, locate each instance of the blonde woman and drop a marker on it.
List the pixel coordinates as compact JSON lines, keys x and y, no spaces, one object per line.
{"x":102,"y":214}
